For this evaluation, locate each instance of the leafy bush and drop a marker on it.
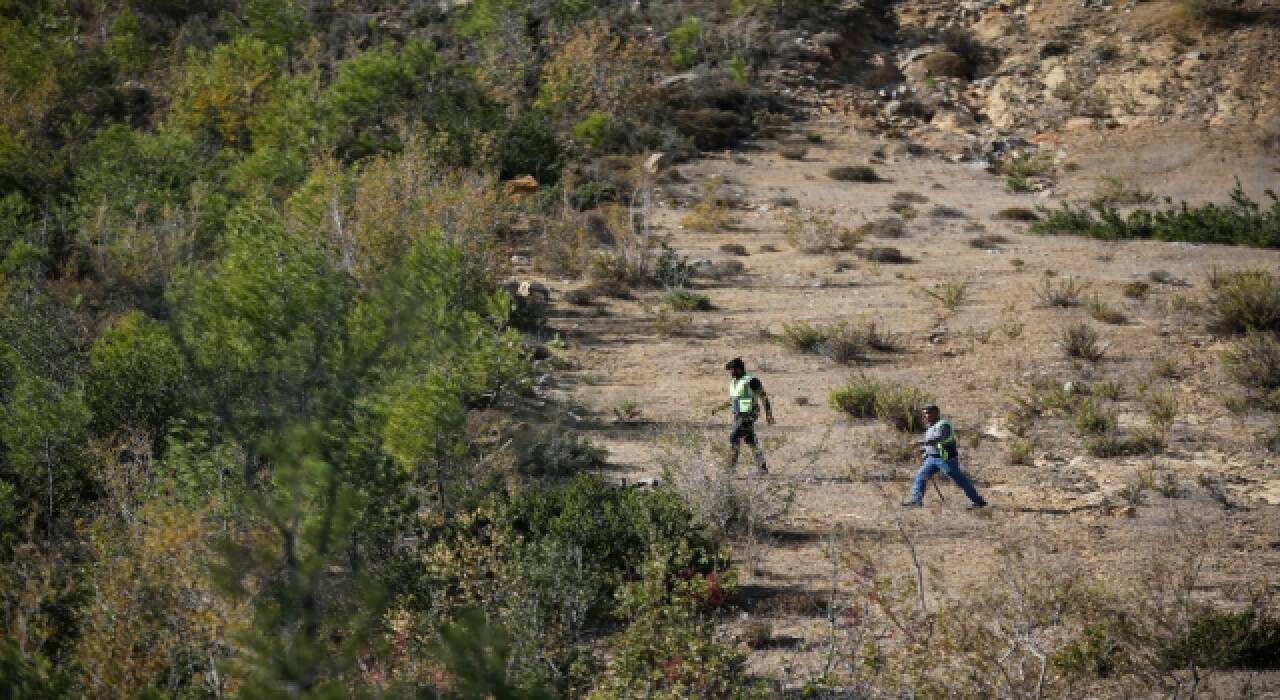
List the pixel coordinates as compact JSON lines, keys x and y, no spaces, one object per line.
{"x":681,"y":299}
{"x":1100,"y":311}
{"x":1060,"y":292}
{"x":1249,"y":639}
{"x":1025,"y":165}
{"x":1254,"y":362}
{"x":136,"y":377}
{"x":816,"y":234}
{"x":855,"y":173}
{"x":1080,"y":341}
{"x":560,"y":452}
{"x":1091,"y":418}
{"x":1241,"y":222}
{"x":1245,"y":300}
{"x":897,"y":405}
{"x":887,"y":227}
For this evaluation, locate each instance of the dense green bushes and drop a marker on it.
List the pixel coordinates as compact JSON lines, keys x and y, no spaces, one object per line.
{"x":1241,"y":222}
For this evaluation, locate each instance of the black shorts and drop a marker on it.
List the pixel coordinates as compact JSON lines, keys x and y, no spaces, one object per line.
{"x":744,"y":429}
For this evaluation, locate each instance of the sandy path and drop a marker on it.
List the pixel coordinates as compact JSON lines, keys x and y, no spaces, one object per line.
{"x":970,"y":360}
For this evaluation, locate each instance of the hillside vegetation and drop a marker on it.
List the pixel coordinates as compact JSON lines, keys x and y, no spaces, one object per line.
{"x":294,"y":295}
{"x":262,"y":386}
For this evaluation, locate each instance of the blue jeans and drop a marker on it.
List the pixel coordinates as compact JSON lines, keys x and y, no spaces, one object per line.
{"x":951,"y":467}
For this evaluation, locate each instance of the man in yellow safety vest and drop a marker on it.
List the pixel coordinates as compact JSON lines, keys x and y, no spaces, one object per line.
{"x":746,"y":395}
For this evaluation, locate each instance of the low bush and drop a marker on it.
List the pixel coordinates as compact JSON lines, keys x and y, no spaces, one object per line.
{"x":857,"y":398}
{"x":855,"y":173}
{"x":1017,"y":214}
{"x":734,"y":249}
{"x":1245,"y":300}
{"x":1063,"y":293}
{"x":1241,"y":222}
{"x":682,"y":299}
{"x":943,"y":211}
{"x":816,"y":234}
{"x":1254,"y":362}
{"x":1025,"y":165}
{"x":892,"y":256}
{"x":1249,"y":639}
{"x":1116,"y":445}
{"x":1090,"y":417}
{"x":1138,"y":289}
{"x":888,"y":227}
{"x":842,"y":342}
{"x":951,"y":293}
{"x":1100,"y":311}
{"x":895,"y":404}
{"x":1020,"y":452}
{"x":558,"y":452}
{"x":1080,"y":341}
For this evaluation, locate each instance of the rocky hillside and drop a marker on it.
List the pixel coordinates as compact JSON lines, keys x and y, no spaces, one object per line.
{"x":1179,"y":82}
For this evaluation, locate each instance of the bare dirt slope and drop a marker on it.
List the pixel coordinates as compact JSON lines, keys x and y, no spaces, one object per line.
{"x":640,"y":378}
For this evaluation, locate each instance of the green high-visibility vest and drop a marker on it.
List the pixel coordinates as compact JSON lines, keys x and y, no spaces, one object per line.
{"x":947,"y":447}
{"x":741,"y":395}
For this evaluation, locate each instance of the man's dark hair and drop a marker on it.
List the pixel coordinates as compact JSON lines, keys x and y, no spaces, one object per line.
{"x":931,"y":407}
{"x":736,"y":363}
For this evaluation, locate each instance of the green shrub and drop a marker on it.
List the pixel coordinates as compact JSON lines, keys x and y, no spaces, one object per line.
{"x":1224,"y":640}
{"x":1245,"y":300}
{"x":136,"y":377}
{"x":1062,"y":293}
{"x":1091,"y":418}
{"x":686,"y":43}
{"x":1080,"y":341}
{"x":560,"y":452}
{"x":1241,"y":222}
{"x":1254,"y":362}
{"x":592,"y":193}
{"x":1026,"y":165}
{"x":681,"y":299}
{"x":857,"y":398}
{"x":900,"y":407}
{"x":1100,"y":311}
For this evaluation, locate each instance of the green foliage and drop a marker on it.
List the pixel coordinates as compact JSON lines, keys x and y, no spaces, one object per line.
{"x":135,"y":377}
{"x":1245,"y":300}
{"x":1249,"y":639}
{"x":1254,"y":362}
{"x":685,"y":42}
{"x":596,"y":130}
{"x":668,"y":648}
{"x":895,"y":404}
{"x":1241,"y":222}
{"x":682,"y":299}
{"x":380,"y":83}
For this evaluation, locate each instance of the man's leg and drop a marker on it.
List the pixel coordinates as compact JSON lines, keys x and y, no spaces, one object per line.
{"x":952,"y":469}
{"x":928,"y":469}
{"x":750,"y":439}
{"x":735,"y":440}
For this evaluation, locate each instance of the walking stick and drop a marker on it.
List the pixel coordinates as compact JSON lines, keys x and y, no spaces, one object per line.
{"x":938,"y":488}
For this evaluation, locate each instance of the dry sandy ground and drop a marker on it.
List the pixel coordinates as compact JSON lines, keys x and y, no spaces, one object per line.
{"x":1066,"y":504}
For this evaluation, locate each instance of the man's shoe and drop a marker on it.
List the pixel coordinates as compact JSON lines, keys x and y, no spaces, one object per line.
{"x":912,"y":504}
{"x":764,"y":468}
{"x":976,"y":506}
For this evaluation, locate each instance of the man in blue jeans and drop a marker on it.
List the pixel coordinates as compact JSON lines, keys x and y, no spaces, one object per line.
{"x":941,"y":454}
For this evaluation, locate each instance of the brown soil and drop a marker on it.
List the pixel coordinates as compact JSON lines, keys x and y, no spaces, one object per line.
{"x":992,"y":347}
